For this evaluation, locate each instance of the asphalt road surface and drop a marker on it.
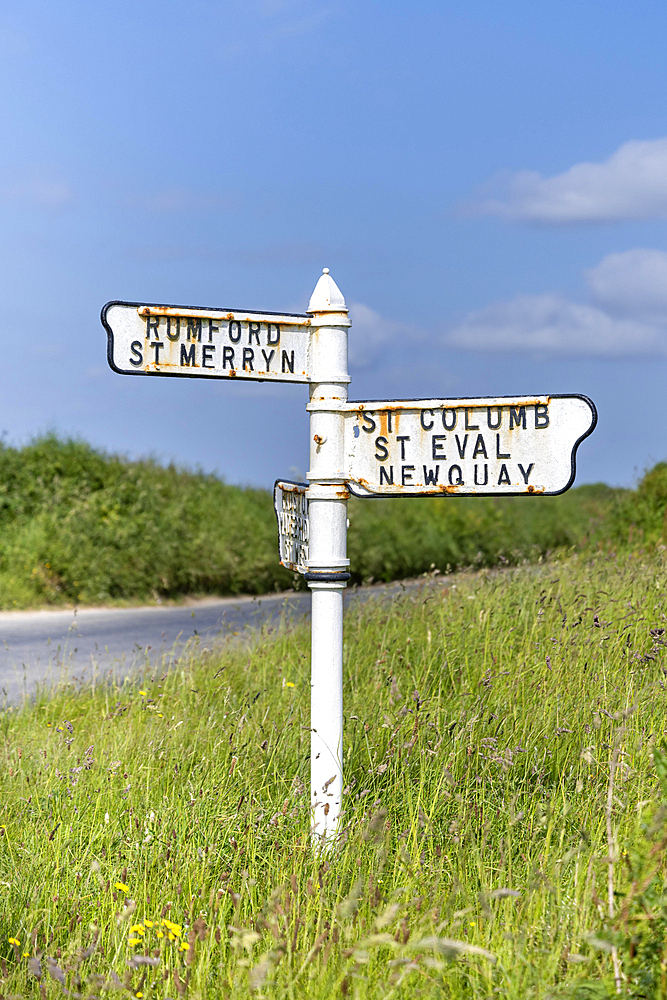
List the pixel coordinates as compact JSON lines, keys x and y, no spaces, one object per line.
{"x":46,"y":647}
{"x":43,"y":647}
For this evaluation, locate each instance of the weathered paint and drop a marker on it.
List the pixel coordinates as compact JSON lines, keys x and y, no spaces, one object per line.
{"x":327,"y":554}
{"x":505,"y":445}
{"x":347,"y":454}
{"x":146,"y":339}
{"x":291,"y":506}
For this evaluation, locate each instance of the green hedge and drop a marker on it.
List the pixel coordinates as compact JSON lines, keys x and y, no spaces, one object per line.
{"x":80,"y":526}
{"x":77,"y":525}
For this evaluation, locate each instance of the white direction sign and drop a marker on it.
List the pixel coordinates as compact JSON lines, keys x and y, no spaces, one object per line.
{"x":291,"y":507}
{"x":148,"y":339}
{"x":486,"y":446}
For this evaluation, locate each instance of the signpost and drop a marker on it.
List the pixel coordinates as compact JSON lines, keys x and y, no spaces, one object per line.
{"x":435,"y":447}
{"x":430,"y":447}
{"x":207,"y":343}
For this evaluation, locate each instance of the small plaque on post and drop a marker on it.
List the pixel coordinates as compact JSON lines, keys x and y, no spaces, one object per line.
{"x":291,"y":506}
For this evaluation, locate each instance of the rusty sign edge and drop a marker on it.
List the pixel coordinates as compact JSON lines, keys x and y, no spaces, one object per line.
{"x":300,"y":487}
{"x":352,"y":406}
{"x":156,"y":305}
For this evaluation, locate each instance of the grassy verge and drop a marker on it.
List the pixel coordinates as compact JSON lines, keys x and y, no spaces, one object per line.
{"x":503,"y":760}
{"x":78,"y":526}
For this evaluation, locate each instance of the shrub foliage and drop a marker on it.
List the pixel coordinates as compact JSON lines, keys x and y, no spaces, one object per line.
{"x":78,"y":525}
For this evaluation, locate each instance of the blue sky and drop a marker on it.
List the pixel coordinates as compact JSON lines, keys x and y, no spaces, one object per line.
{"x":487,"y":183}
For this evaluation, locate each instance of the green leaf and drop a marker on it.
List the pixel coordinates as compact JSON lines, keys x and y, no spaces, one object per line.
{"x":660,"y":761}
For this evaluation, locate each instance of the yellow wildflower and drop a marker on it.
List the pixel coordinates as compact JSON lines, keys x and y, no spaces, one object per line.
{"x":148,"y":923}
{"x":160,"y":934}
{"x":134,"y":940}
{"x":137,"y":929}
{"x":26,"y":954}
{"x":289,"y":684}
{"x":142,"y":692}
{"x":184,"y":946}
{"x":121,"y":886}
{"x":14,"y":941}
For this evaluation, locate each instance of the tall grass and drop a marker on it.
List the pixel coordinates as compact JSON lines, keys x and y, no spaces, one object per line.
{"x":78,"y":526}
{"x":504,"y":764}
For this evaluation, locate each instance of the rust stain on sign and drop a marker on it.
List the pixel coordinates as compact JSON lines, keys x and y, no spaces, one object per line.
{"x":242,"y":317}
{"x":521,"y":445}
{"x":147,"y":339}
{"x":291,"y":506}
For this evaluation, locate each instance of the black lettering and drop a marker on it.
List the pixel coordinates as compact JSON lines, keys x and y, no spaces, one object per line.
{"x":170,"y":335}
{"x":157,"y":346}
{"x":436,"y":447}
{"x":207,"y":355}
{"x":459,"y":476}
{"x":499,"y":453}
{"x":227,"y":355}
{"x":431,"y":476}
{"x":526,"y":472}
{"x":402,"y":438}
{"x":267,"y":358}
{"x":253,"y":331}
{"x":211,"y":330}
{"x":454,"y":414}
{"x":248,"y":357}
{"x":480,"y":447}
{"x":135,"y":347}
{"x":194,"y":329}
{"x":462,"y":450}
{"x":387,"y":476}
{"x":426,"y":427}
{"x":518,"y":416}
{"x":288,"y":363}
{"x":188,"y":355}
{"x":370,"y":423}
{"x":504,"y":477}
{"x":406,"y":474}
{"x":234,"y":331}
{"x":380,"y":444}
{"x":269,"y":338}
{"x":469,"y":426}
{"x":541,"y":415}
{"x":389,"y":416}
{"x":152,"y":323}
{"x":486,"y":475}
{"x":499,"y":412}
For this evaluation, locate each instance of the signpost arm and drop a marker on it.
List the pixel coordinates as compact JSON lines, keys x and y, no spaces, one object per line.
{"x":328,"y":564}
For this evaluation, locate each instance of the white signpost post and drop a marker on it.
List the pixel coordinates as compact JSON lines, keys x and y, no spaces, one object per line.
{"x":500,"y":446}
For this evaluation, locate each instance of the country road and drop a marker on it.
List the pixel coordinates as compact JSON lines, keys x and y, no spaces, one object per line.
{"x":47,"y":646}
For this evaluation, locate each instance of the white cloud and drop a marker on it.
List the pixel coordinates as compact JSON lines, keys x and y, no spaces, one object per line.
{"x":42,"y":192}
{"x":631,"y":184}
{"x":372,"y":335}
{"x":262,"y":25}
{"x":628,"y":316}
{"x":178,"y":199}
{"x":552,"y":324}
{"x":632,"y":283}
